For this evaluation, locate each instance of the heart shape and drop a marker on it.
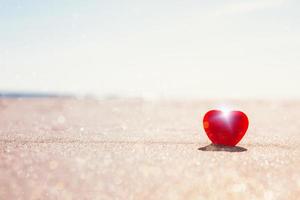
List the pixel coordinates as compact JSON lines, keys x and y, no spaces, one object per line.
{"x":225,"y":128}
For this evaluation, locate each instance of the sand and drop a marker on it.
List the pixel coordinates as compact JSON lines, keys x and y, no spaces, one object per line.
{"x":59,"y":148}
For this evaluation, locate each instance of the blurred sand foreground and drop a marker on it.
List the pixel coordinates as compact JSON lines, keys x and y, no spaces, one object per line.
{"x":134,"y":149}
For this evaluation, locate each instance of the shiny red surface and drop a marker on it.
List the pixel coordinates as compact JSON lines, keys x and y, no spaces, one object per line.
{"x":225,"y":128}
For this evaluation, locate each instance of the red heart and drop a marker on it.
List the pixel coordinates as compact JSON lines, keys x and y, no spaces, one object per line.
{"x":225,"y":128}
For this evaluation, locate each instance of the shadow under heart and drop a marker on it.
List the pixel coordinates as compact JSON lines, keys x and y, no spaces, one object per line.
{"x":215,"y":147}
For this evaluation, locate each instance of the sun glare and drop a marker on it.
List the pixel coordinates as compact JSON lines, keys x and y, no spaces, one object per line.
{"x":225,"y":112}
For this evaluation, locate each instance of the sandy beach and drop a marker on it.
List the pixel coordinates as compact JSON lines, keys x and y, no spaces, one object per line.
{"x":64,"y":148}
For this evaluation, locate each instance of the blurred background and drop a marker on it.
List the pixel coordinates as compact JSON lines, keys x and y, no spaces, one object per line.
{"x":152,"y":49}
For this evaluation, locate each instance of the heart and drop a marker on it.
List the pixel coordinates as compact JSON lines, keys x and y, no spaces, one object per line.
{"x":225,"y":128}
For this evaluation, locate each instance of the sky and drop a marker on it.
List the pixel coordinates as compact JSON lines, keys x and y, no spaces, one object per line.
{"x":158,"y":48}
